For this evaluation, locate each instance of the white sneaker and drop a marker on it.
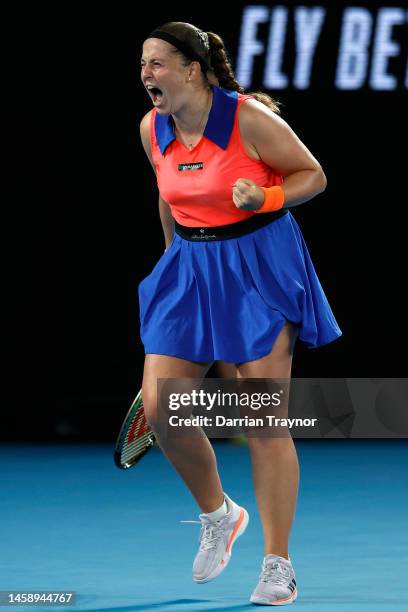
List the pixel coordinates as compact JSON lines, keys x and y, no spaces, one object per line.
{"x":216,"y":541}
{"x":277,"y":583}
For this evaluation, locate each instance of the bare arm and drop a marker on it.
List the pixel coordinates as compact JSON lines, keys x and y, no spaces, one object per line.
{"x":166,"y":217}
{"x":167,"y":221}
{"x":278,"y":146}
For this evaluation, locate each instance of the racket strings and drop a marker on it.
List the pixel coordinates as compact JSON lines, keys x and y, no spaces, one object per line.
{"x":141,"y":437}
{"x":135,"y":437}
{"x":136,"y":447}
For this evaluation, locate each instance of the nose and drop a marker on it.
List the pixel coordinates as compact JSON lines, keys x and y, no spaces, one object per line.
{"x":145,"y":71}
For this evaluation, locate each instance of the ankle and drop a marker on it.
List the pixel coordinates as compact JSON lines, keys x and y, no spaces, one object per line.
{"x":277,"y":552}
{"x":218,"y":513}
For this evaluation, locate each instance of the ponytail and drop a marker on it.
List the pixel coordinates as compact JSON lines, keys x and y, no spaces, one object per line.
{"x":224,"y":73}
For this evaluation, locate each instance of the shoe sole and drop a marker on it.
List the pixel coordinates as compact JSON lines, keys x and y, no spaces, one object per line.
{"x":262,"y":601}
{"x":239,"y":529}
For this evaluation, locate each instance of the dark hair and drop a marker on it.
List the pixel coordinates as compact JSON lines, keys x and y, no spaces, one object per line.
{"x":210,"y":48}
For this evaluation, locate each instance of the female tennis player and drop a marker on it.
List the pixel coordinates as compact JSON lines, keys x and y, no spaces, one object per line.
{"x":235,"y":283}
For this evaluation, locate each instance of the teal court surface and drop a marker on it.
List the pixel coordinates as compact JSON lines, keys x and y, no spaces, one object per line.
{"x":70,"y":520}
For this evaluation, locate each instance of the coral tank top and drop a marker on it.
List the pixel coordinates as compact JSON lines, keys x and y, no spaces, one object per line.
{"x":197,"y":183}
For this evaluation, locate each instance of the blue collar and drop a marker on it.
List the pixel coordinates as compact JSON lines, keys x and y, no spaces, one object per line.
{"x":219,"y":125}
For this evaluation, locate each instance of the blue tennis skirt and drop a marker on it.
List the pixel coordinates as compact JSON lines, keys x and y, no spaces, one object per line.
{"x":229,"y":299}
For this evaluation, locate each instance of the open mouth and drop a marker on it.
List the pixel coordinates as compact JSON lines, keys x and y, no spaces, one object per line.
{"x":155,"y":93}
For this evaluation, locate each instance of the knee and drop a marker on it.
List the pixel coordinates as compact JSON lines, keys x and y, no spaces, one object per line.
{"x":155,"y":409}
{"x":269,"y":444}
{"x":150,"y":408}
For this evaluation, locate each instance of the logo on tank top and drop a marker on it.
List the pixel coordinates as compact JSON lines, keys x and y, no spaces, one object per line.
{"x":195,"y":166}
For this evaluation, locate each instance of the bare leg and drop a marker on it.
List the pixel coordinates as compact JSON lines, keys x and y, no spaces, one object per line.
{"x":192,"y":456}
{"x":274,"y":460}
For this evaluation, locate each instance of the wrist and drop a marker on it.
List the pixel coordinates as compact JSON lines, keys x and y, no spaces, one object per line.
{"x":274,"y":198}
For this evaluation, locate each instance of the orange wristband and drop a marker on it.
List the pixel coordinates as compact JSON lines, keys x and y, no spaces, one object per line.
{"x":274,"y":199}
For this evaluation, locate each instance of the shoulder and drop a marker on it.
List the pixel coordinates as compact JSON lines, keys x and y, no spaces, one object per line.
{"x":145,"y":126}
{"x":145,"y":133}
{"x":274,"y":140}
{"x":256,"y":118}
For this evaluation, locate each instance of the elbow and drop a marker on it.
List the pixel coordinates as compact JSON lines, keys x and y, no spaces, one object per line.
{"x":321,"y":180}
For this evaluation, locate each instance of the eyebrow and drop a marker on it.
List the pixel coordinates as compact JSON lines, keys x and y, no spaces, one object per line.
{"x":154,"y":59}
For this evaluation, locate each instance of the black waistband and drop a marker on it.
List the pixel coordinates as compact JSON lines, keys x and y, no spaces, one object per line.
{"x":232,"y":230}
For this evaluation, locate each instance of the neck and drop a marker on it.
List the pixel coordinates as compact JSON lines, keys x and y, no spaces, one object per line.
{"x":190,"y":118}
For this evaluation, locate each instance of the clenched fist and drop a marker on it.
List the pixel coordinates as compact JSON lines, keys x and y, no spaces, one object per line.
{"x":247,"y":195}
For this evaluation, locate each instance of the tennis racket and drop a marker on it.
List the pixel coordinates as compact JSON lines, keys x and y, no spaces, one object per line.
{"x":135,"y":436}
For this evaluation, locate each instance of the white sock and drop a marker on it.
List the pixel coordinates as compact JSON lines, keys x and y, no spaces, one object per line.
{"x":218,"y":514}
